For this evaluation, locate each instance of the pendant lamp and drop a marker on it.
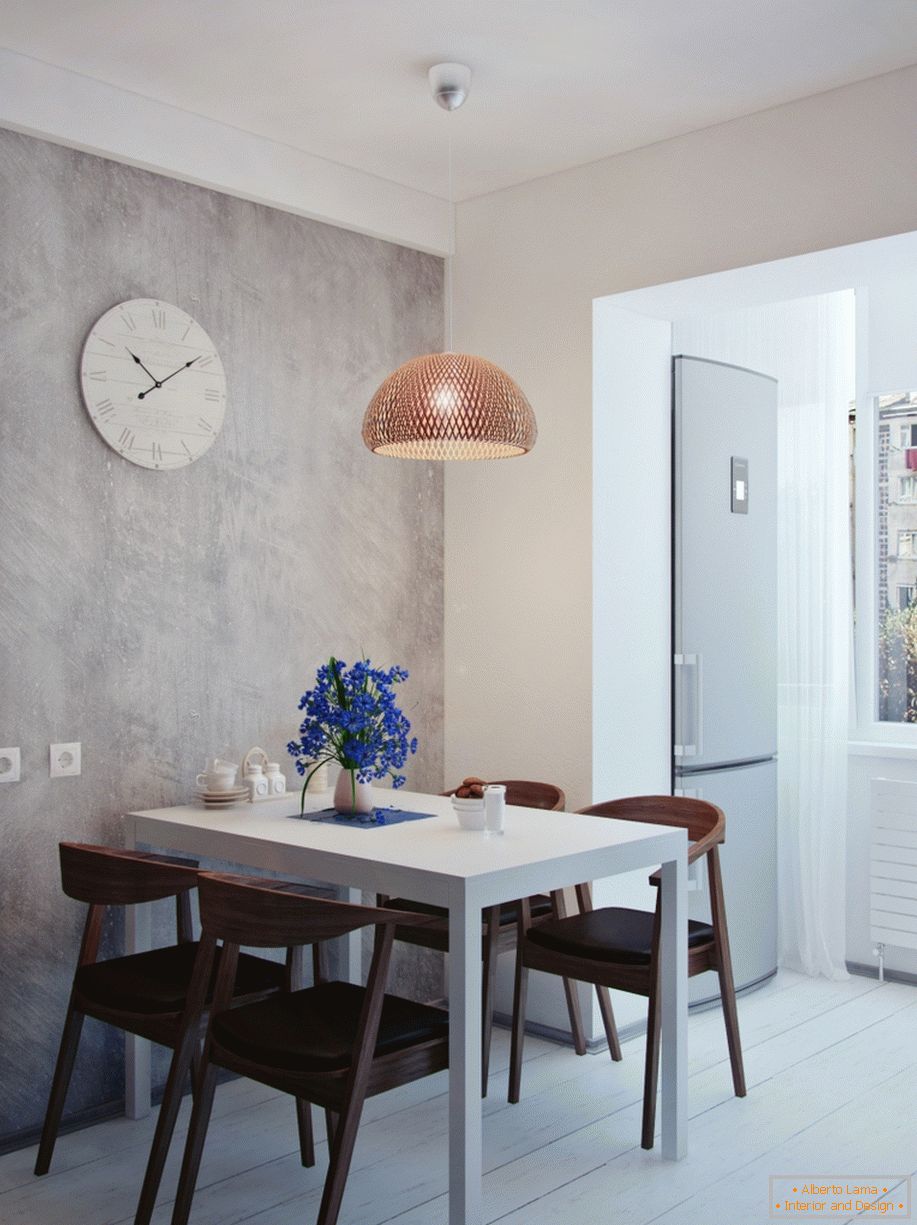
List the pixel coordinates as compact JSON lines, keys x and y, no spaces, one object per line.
{"x":449,"y":405}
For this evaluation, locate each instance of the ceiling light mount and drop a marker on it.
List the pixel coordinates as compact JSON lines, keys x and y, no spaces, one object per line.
{"x":450,"y":84}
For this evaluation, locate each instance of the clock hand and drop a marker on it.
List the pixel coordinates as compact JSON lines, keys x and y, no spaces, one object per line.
{"x":159,"y":382}
{"x":143,"y":368}
{"x":178,"y":371}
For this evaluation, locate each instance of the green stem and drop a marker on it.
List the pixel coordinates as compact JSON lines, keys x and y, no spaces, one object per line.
{"x":323,"y":761}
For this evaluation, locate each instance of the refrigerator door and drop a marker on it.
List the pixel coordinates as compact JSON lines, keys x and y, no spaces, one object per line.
{"x":748,"y":859}
{"x":725,"y":563}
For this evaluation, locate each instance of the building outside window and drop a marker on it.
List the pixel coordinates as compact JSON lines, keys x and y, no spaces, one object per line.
{"x":896,"y":522}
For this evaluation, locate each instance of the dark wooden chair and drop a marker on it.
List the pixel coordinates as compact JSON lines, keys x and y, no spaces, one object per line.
{"x":617,"y":947}
{"x":144,"y":993}
{"x":333,"y":1044}
{"x":498,"y":929}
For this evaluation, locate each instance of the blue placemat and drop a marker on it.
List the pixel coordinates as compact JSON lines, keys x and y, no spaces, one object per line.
{"x":365,"y":820}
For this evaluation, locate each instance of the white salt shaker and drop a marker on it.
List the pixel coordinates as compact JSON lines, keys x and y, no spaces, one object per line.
{"x":276,"y":782}
{"x":494,"y":807}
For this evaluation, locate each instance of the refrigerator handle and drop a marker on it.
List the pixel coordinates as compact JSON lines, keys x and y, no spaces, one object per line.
{"x":689,"y":706}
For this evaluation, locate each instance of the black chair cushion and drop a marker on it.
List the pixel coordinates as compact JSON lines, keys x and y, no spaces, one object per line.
{"x":509,"y":911}
{"x":611,"y":933}
{"x":314,"y":1030}
{"x":157,"y":981}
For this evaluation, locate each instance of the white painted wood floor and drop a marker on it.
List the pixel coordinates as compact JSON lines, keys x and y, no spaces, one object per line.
{"x":832,"y":1079}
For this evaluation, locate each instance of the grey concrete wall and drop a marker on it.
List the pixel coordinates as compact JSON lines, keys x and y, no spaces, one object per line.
{"x":158,"y":617}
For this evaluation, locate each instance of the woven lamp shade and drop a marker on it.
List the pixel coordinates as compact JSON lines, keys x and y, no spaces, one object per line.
{"x":449,"y":406}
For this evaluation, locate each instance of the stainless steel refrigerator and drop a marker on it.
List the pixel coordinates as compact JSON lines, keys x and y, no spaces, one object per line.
{"x":725,"y":641}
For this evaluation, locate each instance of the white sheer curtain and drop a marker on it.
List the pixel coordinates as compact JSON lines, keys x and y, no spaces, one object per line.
{"x":808,"y":345}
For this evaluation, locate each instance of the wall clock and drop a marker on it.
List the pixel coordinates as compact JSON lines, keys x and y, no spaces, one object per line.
{"x":153,"y":384}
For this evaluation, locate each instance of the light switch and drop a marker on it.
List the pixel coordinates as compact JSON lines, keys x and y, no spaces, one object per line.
{"x":10,"y":765}
{"x":66,"y":759}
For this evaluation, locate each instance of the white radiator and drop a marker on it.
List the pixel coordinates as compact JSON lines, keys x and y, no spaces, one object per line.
{"x":893,"y":863}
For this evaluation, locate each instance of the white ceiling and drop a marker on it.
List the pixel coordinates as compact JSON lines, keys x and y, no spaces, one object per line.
{"x":556,"y":82}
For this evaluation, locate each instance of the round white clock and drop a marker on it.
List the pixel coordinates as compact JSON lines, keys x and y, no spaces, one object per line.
{"x":153,"y":384}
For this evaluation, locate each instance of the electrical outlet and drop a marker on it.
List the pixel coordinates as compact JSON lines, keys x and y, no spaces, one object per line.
{"x":66,"y":759}
{"x":10,"y":764}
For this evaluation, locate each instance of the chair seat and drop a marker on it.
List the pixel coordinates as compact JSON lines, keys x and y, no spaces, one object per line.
{"x":611,"y":933}
{"x":509,"y":911}
{"x":314,"y":1030}
{"x":157,"y":981}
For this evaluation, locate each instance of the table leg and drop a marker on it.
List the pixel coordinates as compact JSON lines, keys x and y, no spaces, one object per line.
{"x":352,"y":944}
{"x":136,"y":1050}
{"x":464,"y":1064}
{"x":674,"y":992}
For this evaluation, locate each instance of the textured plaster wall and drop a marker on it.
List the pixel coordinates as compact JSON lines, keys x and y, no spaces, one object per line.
{"x":159,"y":617}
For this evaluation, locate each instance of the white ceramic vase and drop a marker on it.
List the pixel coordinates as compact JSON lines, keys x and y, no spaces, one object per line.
{"x":344,"y":795}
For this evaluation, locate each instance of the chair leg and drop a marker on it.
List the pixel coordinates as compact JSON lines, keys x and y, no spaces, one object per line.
{"x":194,"y":1146}
{"x":651,"y":1073}
{"x":731,"y":1017}
{"x":345,"y":1136}
{"x":195,"y":1069}
{"x":304,"y":1127}
{"x":576,"y":1016}
{"x":608,"y":1020}
{"x":520,"y":991}
{"x":331,"y":1126}
{"x":184,"y":1058}
{"x":724,"y":972}
{"x":489,"y":987}
{"x":70,"y":1040}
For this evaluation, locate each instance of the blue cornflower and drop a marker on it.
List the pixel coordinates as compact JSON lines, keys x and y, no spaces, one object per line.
{"x":350,"y":717}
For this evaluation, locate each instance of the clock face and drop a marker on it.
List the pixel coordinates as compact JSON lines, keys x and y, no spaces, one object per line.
{"x":153,"y":384}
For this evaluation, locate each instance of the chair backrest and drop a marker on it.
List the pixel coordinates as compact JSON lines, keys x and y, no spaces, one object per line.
{"x":526,"y":794}
{"x":247,"y":910}
{"x":704,"y":821}
{"x":106,"y":876}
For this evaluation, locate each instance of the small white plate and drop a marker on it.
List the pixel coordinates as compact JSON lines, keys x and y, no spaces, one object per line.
{"x":223,"y":797}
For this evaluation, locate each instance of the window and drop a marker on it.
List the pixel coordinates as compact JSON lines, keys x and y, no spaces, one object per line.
{"x":907,"y":544}
{"x":895,"y":546}
{"x":907,"y":488}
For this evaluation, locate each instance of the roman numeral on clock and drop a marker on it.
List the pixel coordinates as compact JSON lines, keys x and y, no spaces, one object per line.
{"x":126,"y":438}
{"x":128,"y":320}
{"x":205,"y":425}
{"x":98,"y":376}
{"x":212,"y":394}
{"x":104,"y":408}
{"x":157,"y":451}
{"x":203,"y":362}
{"x":159,"y":318}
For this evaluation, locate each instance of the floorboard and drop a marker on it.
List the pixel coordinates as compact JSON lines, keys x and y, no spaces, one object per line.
{"x":832,"y":1079}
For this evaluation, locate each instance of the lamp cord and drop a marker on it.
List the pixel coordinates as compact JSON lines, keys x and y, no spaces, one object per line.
{"x":451,"y":254}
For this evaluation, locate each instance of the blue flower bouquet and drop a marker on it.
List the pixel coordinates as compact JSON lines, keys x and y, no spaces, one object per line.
{"x":350,"y":717}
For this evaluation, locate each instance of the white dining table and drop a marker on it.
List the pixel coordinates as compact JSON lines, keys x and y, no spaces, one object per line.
{"x":435,"y":861}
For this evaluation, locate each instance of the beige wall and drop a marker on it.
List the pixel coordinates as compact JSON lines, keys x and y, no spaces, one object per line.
{"x":829,"y":170}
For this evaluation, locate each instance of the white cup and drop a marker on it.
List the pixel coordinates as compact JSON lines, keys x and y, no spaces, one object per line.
{"x":470,"y":812}
{"x":221,"y":776}
{"x":494,"y":807}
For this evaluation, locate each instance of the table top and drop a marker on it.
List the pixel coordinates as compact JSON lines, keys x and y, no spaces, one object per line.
{"x":436,"y":849}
